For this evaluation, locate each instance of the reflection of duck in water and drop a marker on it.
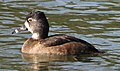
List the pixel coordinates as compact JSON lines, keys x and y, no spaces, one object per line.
{"x":44,"y":62}
{"x":40,"y":42}
{"x":36,"y":58}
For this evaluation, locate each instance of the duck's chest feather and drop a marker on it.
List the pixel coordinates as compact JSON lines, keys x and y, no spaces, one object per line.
{"x":63,"y":45}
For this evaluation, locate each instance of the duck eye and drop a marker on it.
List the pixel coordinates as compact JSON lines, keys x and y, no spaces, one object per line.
{"x":30,"y":19}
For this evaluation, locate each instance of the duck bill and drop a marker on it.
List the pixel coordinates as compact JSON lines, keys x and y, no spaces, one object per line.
{"x":22,"y":28}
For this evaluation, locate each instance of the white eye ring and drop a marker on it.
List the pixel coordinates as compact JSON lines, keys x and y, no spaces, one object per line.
{"x":31,"y":19}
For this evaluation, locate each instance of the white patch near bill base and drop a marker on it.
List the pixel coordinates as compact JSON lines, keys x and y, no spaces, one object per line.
{"x":17,"y":31}
{"x":28,"y":27}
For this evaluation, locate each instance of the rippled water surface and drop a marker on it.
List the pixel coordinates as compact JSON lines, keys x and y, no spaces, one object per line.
{"x":96,"y":21}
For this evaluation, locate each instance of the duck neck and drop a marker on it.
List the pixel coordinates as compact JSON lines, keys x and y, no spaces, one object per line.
{"x":39,"y":36}
{"x":42,"y":33}
{"x":36,"y":36}
{"x":40,"y":28}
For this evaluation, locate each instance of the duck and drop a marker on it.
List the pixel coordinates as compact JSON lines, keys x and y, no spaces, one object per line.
{"x":60,"y":44}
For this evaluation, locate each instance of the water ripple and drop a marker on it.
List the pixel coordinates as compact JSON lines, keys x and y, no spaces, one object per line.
{"x":96,"y":21}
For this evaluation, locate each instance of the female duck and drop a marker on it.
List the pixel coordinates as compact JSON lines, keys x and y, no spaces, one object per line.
{"x":41,"y":43}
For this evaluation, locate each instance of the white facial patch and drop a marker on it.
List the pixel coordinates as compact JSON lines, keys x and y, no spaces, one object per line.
{"x":27,"y":24}
{"x":28,"y":27}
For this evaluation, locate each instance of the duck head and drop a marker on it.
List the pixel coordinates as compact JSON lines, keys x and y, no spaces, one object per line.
{"x":37,"y":24}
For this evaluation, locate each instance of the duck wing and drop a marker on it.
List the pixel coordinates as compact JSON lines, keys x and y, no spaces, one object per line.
{"x":55,"y":40}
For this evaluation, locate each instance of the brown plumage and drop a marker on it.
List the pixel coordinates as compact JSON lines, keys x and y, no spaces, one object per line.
{"x":60,"y":44}
{"x":41,"y":43}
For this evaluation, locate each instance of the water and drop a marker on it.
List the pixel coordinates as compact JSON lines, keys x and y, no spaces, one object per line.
{"x":96,"y":21}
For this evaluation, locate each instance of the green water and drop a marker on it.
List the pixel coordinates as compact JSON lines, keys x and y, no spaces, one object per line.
{"x":96,"y":21}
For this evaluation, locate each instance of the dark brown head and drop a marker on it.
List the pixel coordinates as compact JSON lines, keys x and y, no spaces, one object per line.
{"x":37,"y":24}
